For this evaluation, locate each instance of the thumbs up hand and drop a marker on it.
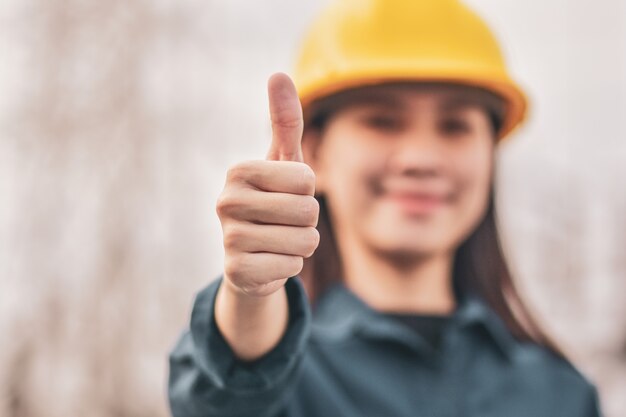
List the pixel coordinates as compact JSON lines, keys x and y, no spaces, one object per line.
{"x":267,"y":209}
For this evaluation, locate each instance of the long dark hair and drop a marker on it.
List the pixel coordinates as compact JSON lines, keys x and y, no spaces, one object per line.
{"x":480,"y":267}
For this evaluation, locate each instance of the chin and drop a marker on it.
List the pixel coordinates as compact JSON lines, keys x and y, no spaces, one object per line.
{"x":411,"y":249}
{"x":407,"y":258}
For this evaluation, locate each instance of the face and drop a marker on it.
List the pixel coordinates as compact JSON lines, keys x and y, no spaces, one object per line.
{"x":405,"y":169}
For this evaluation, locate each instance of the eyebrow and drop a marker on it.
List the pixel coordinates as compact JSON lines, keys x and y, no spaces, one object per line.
{"x":391,"y":102}
{"x":460,"y":101}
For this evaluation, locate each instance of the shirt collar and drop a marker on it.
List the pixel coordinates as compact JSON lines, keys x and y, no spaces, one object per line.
{"x":340,"y":313}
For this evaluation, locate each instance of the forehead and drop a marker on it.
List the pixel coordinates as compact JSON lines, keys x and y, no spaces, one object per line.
{"x":397,"y":96}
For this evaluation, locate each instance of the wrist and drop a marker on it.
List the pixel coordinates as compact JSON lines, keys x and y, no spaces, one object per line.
{"x":251,"y":325}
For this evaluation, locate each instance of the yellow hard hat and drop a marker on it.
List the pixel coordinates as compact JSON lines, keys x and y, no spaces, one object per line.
{"x":355,"y":43}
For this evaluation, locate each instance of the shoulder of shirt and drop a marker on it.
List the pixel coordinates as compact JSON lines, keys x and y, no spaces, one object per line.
{"x":536,"y":360}
{"x":527,"y":356}
{"x":339,"y":313}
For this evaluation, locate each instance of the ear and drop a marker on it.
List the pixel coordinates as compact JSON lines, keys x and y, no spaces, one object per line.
{"x":311,"y":149}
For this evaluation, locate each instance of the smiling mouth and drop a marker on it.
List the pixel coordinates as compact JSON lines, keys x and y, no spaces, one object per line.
{"x":417,"y":203}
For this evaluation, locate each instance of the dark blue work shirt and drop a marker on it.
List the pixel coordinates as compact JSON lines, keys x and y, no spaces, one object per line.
{"x":352,"y":361}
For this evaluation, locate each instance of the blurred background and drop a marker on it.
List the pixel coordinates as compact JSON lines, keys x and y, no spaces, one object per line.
{"x":118,"y":120}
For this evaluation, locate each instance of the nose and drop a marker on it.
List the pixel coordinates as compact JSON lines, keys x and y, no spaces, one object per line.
{"x":416,"y":153}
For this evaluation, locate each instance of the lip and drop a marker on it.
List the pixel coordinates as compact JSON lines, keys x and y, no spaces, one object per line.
{"x":417,"y":203}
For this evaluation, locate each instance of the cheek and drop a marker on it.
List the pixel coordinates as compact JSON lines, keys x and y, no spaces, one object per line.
{"x":345,"y":161}
{"x":474,"y":173}
{"x":347,"y":171}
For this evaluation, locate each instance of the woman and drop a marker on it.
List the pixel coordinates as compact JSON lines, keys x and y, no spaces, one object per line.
{"x":415,"y":312}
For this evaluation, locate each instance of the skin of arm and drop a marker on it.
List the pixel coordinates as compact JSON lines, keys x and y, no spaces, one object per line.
{"x":251,"y":325}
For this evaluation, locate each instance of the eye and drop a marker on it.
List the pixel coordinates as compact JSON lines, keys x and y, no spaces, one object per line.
{"x":383,"y":122}
{"x":455,"y":126}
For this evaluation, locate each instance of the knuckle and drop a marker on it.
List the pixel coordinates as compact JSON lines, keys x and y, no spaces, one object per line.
{"x":233,"y":235}
{"x":232,"y":269}
{"x":239,"y":172}
{"x":290,"y":155}
{"x":221,"y":206}
{"x":226,"y":202}
{"x":287,"y":120}
{"x":233,"y":173}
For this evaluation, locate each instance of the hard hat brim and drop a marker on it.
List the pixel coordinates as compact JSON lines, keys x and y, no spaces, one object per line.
{"x":516,"y":101}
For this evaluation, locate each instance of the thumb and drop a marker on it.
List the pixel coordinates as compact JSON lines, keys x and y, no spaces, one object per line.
{"x":287,"y":122}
